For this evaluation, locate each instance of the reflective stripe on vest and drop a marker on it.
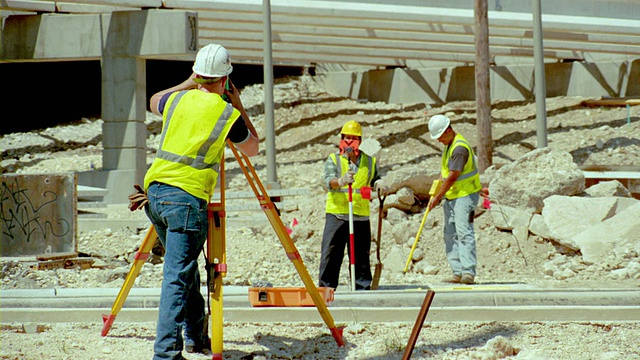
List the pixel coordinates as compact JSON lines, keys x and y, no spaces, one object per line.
{"x":197,"y":162}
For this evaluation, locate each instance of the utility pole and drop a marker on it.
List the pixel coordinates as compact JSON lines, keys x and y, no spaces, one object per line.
{"x":483,"y":92}
{"x":270,"y":133}
{"x":539,"y":79}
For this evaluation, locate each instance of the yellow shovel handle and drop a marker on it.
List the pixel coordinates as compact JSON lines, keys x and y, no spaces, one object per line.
{"x":415,"y":242}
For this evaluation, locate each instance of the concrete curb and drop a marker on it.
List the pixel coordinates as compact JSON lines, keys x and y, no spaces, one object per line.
{"x":450,"y":303}
{"x":345,"y":315}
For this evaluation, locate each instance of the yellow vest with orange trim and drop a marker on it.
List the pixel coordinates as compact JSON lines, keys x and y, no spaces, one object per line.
{"x":469,"y":180}
{"x":338,"y":199}
{"x":195,"y":125}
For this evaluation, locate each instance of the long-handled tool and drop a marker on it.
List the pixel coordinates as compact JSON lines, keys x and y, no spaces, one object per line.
{"x":378,"y":268}
{"x":434,"y":189}
{"x":352,"y":245}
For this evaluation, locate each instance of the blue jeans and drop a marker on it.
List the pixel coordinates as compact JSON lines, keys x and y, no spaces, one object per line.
{"x":181,"y":222}
{"x":459,"y":235}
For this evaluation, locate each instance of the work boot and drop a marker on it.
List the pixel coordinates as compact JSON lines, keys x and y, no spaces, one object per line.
{"x":467,"y":279}
{"x":455,"y":279}
{"x":204,"y":348}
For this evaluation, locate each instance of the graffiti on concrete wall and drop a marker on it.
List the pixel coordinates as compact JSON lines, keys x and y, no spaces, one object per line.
{"x":37,"y":214}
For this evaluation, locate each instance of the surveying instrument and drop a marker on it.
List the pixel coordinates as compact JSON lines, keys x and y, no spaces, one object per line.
{"x":216,"y":266}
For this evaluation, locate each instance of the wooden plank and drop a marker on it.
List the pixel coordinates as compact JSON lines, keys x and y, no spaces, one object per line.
{"x":82,"y":263}
{"x":611,"y":102}
{"x":56,"y":256}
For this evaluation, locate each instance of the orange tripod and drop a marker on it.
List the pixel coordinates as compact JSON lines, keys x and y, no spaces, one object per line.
{"x":216,"y":258}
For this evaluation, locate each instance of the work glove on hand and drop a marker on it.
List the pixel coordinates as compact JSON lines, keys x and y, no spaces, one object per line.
{"x":346,"y":179}
{"x":381,"y":189}
{"x":138,"y":199}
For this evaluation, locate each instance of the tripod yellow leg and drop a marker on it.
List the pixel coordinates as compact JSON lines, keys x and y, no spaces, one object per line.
{"x":140,"y":258}
{"x":218,"y":269}
{"x":292,"y":253}
{"x":217,"y":266}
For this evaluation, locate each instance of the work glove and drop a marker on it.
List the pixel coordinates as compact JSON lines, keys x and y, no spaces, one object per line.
{"x":346,"y":179}
{"x":381,"y":189}
{"x":138,"y":199}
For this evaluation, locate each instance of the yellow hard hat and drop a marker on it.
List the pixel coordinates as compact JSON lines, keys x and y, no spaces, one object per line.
{"x":352,"y":128}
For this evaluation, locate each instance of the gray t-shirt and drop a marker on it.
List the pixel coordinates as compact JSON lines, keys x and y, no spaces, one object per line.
{"x":458,"y":158}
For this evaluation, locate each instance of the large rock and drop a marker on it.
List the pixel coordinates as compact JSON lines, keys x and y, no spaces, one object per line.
{"x":526,"y":182}
{"x":509,"y":218}
{"x":416,"y":178}
{"x":617,"y":236}
{"x":566,"y":216}
{"x":608,"y":188}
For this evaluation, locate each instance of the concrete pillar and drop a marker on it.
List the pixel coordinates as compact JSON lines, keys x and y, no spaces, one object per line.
{"x":131,"y":35}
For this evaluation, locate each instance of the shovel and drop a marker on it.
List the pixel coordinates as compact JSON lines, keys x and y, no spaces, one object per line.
{"x":378,"y":269}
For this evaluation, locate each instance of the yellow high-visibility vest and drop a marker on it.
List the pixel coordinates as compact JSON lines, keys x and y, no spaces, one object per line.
{"x":195,"y":125}
{"x":338,"y":199}
{"x":469,"y":180}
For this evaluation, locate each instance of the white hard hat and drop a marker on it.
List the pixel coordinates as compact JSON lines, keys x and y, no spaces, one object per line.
{"x":437,"y":125}
{"x":213,"y":60}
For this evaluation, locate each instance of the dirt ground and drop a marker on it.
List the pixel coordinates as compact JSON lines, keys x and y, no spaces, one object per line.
{"x":307,"y":123}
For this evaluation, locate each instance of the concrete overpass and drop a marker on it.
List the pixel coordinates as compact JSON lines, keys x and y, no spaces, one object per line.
{"x":393,"y":51}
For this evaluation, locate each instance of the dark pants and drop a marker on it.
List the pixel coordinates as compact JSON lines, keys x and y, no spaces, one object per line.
{"x":334,"y":241}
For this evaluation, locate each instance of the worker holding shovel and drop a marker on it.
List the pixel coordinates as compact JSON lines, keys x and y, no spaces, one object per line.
{"x":460,"y":193}
{"x":347,"y":225}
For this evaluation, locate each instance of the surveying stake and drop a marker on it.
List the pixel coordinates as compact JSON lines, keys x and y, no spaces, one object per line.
{"x":216,"y":258}
{"x":417,"y":326}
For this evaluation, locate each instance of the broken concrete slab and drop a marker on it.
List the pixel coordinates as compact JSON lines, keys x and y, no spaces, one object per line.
{"x":615,"y":235}
{"x":526,"y":182}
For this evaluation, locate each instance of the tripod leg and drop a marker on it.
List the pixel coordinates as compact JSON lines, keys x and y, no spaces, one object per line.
{"x":281,"y":231}
{"x":218,"y":268}
{"x":426,"y":303}
{"x":140,"y":258}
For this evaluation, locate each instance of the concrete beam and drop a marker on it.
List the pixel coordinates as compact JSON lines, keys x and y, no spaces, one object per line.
{"x":441,"y":85}
{"x":84,"y":36}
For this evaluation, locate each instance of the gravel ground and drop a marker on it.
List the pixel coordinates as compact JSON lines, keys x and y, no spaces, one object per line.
{"x":308,"y":120}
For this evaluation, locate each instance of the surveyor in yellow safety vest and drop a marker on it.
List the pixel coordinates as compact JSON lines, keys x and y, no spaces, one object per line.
{"x":461,"y":192}
{"x":352,"y":167}
{"x":196,"y":123}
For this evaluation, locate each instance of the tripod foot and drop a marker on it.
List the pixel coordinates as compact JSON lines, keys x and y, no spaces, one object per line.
{"x":108,"y":321}
{"x":337,"y":334}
